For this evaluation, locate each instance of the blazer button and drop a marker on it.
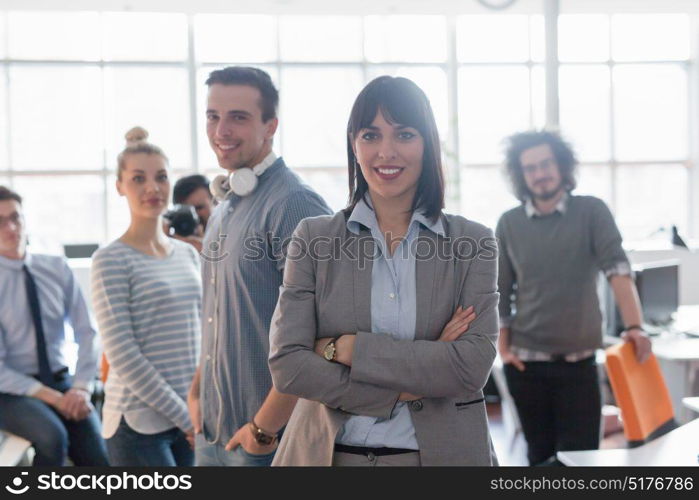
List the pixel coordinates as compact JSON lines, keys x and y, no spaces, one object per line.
{"x":416,"y":405}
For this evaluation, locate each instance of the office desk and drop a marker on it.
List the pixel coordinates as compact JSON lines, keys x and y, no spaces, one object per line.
{"x":691,"y":403}
{"x":679,"y":360}
{"x":677,"y":448}
{"x":687,"y":319}
{"x":677,"y":349}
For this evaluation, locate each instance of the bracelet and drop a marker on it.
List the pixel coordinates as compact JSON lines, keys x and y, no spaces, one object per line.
{"x":634,"y":327}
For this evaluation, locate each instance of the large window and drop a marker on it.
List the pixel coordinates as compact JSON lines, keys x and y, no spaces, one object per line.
{"x":624,"y":106}
{"x":72,"y":83}
{"x":500,"y":92}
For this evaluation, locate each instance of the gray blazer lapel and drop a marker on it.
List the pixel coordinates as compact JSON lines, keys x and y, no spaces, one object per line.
{"x":425,"y":272}
{"x":363,"y":248}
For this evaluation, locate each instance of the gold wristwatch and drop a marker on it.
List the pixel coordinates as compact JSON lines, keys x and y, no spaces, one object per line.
{"x":329,"y":351}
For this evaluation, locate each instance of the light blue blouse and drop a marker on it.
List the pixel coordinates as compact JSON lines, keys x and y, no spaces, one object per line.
{"x":393,"y":309}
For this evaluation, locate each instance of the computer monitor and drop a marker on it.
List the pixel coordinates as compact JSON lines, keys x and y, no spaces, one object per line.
{"x":658,"y":289}
{"x":83,"y":251}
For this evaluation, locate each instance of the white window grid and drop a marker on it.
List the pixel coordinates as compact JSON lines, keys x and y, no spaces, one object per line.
{"x":451,"y":142}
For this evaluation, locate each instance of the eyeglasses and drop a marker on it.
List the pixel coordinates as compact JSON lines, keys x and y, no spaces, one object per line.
{"x":15,"y":218}
{"x":545,"y":165}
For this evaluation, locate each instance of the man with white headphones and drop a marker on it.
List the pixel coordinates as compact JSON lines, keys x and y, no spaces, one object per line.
{"x":237,"y":414}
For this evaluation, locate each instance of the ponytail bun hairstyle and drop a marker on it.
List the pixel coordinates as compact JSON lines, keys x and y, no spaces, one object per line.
{"x":136,"y":142}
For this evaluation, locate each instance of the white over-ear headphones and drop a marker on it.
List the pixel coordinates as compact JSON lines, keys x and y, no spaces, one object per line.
{"x":241,"y":182}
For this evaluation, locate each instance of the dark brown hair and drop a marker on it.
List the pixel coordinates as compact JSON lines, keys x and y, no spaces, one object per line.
{"x":400,"y":102}
{"x":136,"y":143}
{"x":518,"y":143}
{"x":7,"y":194}
{"x":187,"y":185}
{"x":253,"y":77}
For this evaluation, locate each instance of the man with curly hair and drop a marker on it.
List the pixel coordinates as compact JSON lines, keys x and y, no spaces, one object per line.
{"x":552,"y":248}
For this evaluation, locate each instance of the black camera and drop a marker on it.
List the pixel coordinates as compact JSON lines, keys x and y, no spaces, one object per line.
{"x":183,"y":219}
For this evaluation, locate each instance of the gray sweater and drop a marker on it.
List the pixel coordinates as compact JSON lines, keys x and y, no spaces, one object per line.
{"x":548,"y":269}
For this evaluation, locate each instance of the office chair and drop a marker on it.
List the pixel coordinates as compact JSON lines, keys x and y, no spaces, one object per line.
{"x":641,"y":393}
{"x":104,"y":369}
{"x":101,"y":380}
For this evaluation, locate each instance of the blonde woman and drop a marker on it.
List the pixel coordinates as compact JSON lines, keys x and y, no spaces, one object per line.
{"x":146,"y":293}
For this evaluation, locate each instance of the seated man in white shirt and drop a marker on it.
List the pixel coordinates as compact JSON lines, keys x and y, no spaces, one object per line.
{"x":39,"y":400}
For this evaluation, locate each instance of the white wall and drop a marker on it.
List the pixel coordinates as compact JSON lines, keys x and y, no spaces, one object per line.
{"x":354,"y":7}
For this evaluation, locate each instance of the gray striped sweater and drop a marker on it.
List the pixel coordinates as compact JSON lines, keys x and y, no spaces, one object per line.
{"x":148,"y":313}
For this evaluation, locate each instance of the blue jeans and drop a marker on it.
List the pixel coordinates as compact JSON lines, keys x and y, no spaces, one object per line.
{"x":53,"y":437}
{"x":163,"y":449}
{"x":208,"y":455}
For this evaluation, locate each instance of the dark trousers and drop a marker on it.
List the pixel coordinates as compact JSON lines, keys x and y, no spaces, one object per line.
{"x":559,"y":405}
{"x":52,"y":436}
{"x":128,"y":448}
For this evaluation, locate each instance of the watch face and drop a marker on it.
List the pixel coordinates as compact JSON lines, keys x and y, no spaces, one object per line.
{"x":263,"y":438}
{"x":329,"y":351}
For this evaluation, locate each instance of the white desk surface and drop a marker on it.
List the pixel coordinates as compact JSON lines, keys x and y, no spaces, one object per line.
{"x":691,"y":403}
{"x":676,"y":348}
{"x":673,"y":345}
{"x":687,"y":318}
{"x":677,"y":448}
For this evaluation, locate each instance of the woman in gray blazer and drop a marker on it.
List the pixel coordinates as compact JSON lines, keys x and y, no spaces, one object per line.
{"x":370,"y":327}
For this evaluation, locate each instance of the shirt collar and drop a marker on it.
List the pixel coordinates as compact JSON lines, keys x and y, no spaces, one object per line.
{"x":561,"y":207}
{"x":363,"y":214}
{"x":267,"y":162}
{"x":16,"y":265}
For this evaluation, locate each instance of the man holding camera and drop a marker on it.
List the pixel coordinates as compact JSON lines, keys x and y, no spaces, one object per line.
{"x":193,"y":190}
{"x":182,"y":223}
{"x":193,"y":206}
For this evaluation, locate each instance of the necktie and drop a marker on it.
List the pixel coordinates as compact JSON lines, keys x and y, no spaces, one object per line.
{"x":45,"y":374}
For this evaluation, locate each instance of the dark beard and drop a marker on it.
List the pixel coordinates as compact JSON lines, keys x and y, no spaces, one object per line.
{"x":548,"y":195}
